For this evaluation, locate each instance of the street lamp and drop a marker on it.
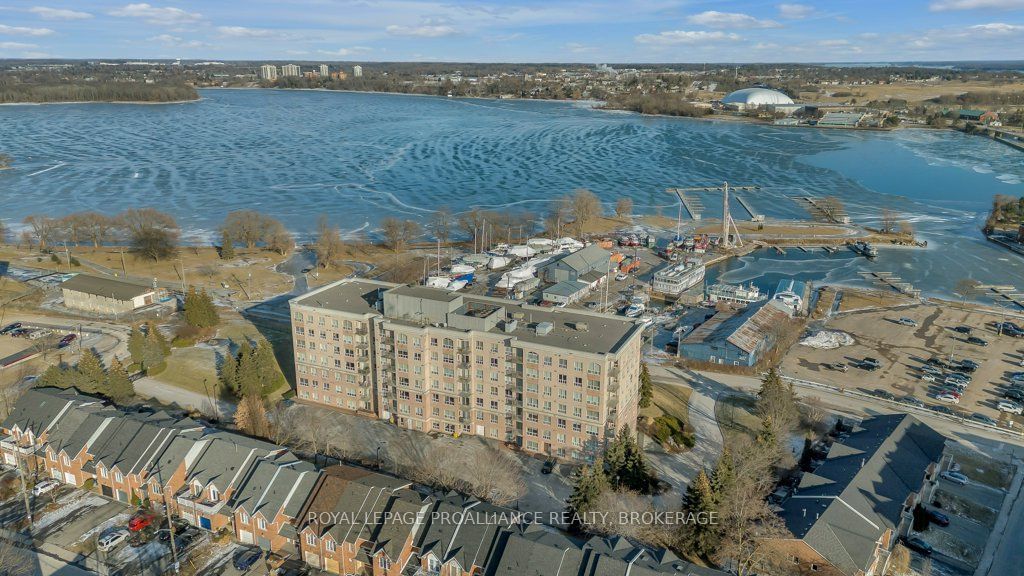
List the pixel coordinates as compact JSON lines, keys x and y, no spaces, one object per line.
{"x":379,"y":446}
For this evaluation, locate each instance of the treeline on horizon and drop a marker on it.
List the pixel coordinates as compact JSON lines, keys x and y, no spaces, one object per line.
{"x":106,"y":91}
{"x":657,"y":103}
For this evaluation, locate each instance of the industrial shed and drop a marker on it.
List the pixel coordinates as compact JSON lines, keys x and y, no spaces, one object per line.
{"x":105,"y":295}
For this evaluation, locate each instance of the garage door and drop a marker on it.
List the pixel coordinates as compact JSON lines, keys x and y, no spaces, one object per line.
{"x":56,"y":475}
{"x":245,"y":536}
{"x":312,"y":559}
{"x":10,"y":459}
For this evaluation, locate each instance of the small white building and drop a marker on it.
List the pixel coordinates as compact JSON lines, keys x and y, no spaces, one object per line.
{"x":566,"y":292}
{"x":105,"y":295}
{"x":357,"y":71}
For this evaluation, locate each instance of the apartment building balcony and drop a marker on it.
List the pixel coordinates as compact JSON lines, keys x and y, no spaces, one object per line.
{"x":362,"y":331}
{"x":364,"y":357}
{"x":614,"y":371}
{"x":200,"y":503}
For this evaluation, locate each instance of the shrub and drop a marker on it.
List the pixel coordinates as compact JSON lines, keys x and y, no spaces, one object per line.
{"x":89,"y":483}
{"x":54,"y":259}
{"x":75,"y":262}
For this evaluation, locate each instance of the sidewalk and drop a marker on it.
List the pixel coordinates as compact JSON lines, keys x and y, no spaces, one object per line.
{"x":1003,"y":554}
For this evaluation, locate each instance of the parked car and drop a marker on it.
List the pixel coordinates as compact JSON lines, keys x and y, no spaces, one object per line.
{"x":247,"y":558}
{"x":962,"y":329}
{"x":929,"y":369}
{"x":942,"y":409}
{"x":140,"y":521}
{"x":912,"y":401}
{"x":967,"y":365}
{"x":10,"y":328}
{"x":838,"y":367}
{"x":907,"y":321}
{"x":917,"y":545}
{"x":948,"y":398}
{"x":108,"y":541}
{"x":929,"y":377}
{"x":548,"y":467}
{"x":1015,"y":394}
{"x":936,"y":517}
{"x":955,"y":477}
{"x":45,"y":486}
{"x":20,"y":332}
{"x":870,"y":364}
{"x":984,"y":419}
{"x":621,"y":276}
{"x":977,"y":341}
{"x":66,"y":341}
{"x":1010,"y":407}
{"x":885,"y":394}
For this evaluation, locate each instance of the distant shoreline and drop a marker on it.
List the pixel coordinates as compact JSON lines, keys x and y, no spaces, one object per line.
{"x":129,"y":102}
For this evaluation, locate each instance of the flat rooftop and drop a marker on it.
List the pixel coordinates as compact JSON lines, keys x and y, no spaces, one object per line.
{"x":605,"y":333}
{"x":106,"y":287}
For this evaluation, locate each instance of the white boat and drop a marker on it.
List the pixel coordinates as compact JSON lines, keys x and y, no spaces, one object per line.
{"x":507,"y":282}
{"x":521,"y":250}
{"x":540,"y":244}
{"x":498,"y":262}
{"x":568,"y":244}
{"x":677,"y":279}
{"x":500,"y":248}
{"x":738,"y":294}
{"x":522,"y":272}
{"x":635,"y":310}
{"x":456,"y":285}
{"x":437,"y":282}
{"x":458,"y":269}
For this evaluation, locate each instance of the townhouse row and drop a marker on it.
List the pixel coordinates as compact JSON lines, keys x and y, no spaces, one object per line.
{"x":553,"y":381}
{"x":341,"y":519}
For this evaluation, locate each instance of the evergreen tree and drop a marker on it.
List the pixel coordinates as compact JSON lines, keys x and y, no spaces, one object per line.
{"x":155,"y":351}
{"x":590,"y":483}
{"x":154,"y":336}
{"x":699,"y":536}
{"x":266,"y":366}
{"x":777,"y":400}
{"x":137,"y":345}
{"x":118,"y":386}
{"x":724,"y":476}
{"x":200,"y":311}
{"x":229,"y":372}
{"x":635,"y":474}
{"x":249,"y":379}
{"x":90,"y":368}
{"x":646,"y":387}
{"x":227,"y":248}
{"x":54,"y":376}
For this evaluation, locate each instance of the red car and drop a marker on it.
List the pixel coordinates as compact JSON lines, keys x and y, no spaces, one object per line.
{"x":140,"y":521}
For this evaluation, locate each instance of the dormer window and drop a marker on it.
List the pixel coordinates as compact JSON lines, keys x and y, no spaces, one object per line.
{"x":197,"y":489}
{"x":102,"y":470}
{"x":243,"y":517}
{"x":261,"y":523}
{"x":329,"y":545}
{"x":214,"y":493}
{"x":53,"y":456}
{"x":310,"y":539}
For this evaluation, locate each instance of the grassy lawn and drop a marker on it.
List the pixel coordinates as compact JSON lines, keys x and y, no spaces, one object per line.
{"x":995,"y":473}
{"x":188,"y":368}
{"x":668,"y":415}
{"x":736,"y":417}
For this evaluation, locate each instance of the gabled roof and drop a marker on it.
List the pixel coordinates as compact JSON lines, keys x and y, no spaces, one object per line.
{"x":757,"y":327}
{"x":401,"y":522}
{"x":38,"y":408}
{"x":842,"y":509}
{"x":276,"y":483}
{"x":356,"y":498}
{"x":463,"y":529}
{"x":106,"y":287}
{"x":584,"y":260}
{"x":222,"y":459}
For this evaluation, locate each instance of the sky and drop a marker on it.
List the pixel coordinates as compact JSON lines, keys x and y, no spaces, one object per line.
{"x":588,"y":31}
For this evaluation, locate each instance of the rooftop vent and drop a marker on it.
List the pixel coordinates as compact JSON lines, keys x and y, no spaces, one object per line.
{"x":582,"y":326}
{"x":518,"y":315}
{"x":544,"y":328}
{"x":510,"y":325}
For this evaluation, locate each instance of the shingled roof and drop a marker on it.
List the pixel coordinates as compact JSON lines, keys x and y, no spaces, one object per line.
{"x":842,"y":509}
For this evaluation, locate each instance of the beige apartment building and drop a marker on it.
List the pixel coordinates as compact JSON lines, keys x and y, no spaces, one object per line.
{"x":553,"y":381}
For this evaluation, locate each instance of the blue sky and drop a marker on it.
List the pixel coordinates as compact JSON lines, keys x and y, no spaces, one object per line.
{"x":517,"y":30}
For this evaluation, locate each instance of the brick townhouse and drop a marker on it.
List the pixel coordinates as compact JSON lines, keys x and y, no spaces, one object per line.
{"x":344,"y":520}
{"x":556,"y":382}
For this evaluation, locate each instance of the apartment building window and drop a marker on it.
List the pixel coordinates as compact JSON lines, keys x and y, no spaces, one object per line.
{"x":593,"y":385}
{"x":561,"y":408}
{"x":577,"y":427}
{"x":578,"y":382}
{"x":563,"y":363}
{"x":261,"y":523}
{"x":563,"y":379}
{"x":531,"y":417}
{"x":433,"y":341}
{"x":595,"y":368}
{"x":531,"y":402}
{"x":532,"y":357}
{"x":348,"y":324}
{"x":577,"y":412}
{"x":403,"y":339}
{"x":334,"y":322}
{"x":449,"y":344}
{"x":298,"y":316}
{"x":530,"y":431}
{"x":577,"y":397}
{"x":560,"y":438}
{"x":593,"y":400}
{"x":561,"y":423}
{"x":531,"y":387}
{"x":593,"y":415}
{"x":532,"y":445}
{"x":562,"y":394}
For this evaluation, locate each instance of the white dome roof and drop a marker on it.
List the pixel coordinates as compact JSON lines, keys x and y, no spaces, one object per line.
{"x":757,"y":97}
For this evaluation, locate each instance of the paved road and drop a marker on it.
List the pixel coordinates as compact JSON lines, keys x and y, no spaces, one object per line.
{"x":1007,"y":555}
{"x":679,"y":469}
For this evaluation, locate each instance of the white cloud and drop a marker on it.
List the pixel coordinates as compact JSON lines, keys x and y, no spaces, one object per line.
{"x":177,"y":42}
{"x":345,"y":51}
{"x":577,"y":48}
{"x":59,"y":13}
{"x":795,"y":11}
{"x":728,"y":20}
{"x":996,"y":29}
{"x":943,"y":5}
{"x":243,"y":32}
{"x":833,"y":43}
{"x":424,"y":31}
{"x":16,"y":46}
{"x":166,"y":16}
{"x":674,"y":37}
{"x":23,"y":31}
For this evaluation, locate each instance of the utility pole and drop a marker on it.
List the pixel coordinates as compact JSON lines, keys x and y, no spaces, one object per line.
{"x":124,"y":270}
{"x":167,"y":514}
{"x":24,"y":488}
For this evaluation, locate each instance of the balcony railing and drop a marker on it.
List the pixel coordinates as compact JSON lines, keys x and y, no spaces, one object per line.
{"x":10,"y":445}
{"x":199,"y":503}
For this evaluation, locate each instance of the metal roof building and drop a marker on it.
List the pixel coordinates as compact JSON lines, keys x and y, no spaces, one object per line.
{"x":735,"y":337}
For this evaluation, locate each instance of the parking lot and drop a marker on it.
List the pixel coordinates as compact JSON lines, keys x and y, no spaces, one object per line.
{"x":902,"y":352}
{"x":970,"y":508}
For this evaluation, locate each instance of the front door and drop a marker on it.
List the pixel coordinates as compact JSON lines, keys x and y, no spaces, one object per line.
{"x":205,"y":523}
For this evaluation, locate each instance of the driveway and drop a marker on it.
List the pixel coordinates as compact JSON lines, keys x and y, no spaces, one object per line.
{"x":679,"y":469}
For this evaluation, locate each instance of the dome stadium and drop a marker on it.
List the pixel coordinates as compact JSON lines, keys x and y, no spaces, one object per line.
{"x":755,"y":97}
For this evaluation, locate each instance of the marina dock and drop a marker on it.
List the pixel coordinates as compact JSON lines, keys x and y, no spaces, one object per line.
{"x":693,"y":206}
{"x":1004,"y":294}
{"x":823,"y":209}
{"x":743,"y":202}
{"x":893,"y":281}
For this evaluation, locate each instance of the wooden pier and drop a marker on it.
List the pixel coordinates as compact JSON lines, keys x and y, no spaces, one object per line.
{"x":823,"y":209}
{"x":780,"y":250}
{"x":692,"y":204}
{"x":743,"y":202}
{"x":1004,"y":294}
{"x":893,"y":281}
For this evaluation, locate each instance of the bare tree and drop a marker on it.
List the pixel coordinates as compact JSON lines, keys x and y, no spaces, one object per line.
{"x":96,"y":228}
{"x":152,"y":234}
{"x":14,"y":561}
{"x":252,"y":228}
{"x":906,"y":228}
{"x":440,"y":224}
{"x":624,"y":207}
{"x":618,"y":509}
{"x":44,"y":228}
{"x":496,"y":476}
{"x":888,"y":221}
{"x":328,"y":246}
{"x":585,"y":208}
{"x":557,"y":217}
{"x":398,"y":233}
{"x":966,"y":288}
{"x":899,"y":561}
